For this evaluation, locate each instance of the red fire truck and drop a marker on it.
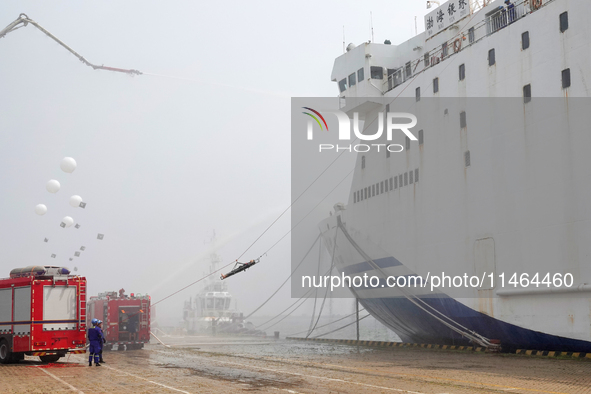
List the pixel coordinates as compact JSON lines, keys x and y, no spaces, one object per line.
{"x":42,"y":313}
{"x":126,"y":319}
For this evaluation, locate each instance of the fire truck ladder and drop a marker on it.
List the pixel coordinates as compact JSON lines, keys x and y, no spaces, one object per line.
{"x":144,"y":316}
{"x":82,"y":305}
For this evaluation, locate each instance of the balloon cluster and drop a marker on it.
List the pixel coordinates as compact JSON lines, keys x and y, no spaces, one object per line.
{"x":67,"y":165}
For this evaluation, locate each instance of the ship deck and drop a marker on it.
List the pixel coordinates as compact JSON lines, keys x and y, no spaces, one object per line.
{"x":232,"y":365}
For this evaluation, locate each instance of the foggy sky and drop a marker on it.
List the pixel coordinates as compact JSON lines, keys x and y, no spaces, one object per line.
{"x":163,"y":162}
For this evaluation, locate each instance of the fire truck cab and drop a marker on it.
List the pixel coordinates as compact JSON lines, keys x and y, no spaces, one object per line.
{"x":42,"y":313}
{"x":126,"y":318}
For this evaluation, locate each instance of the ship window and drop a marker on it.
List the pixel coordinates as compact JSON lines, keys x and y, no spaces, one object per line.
{"x":390,"y":183}
{"x":400,"y":180}
{"x":444,"y":49}
{"x":418,"y":93}
{"x":360,"y":195}
{"x":421,"y":137}
{"x":491,"y":57}
{"x":352,"y":80}
{"x":566,"y":78}
{"x":228,"y":303}
{"x":416,"y":175}
{"x":373,"y":190}
{"x":462,"y":119}
{"x":407,"y":143}
{"x":209,"y":303}
{"x":564,"y":22}
{"x":410,"y":177}
{"x":219,"y":303}
{"x":527,"y":93}
{"x":365,"y":192}
{"x":467,"y":158}
{"x":362,"y":162}
{"x":525,"y":40}
{"x":381,"y":186}
{"x":426,"y":57}
{"x":343,"y":85}
{"x":471,"y":35}
{"x":462,"y":70}
{"x":435,"y":85}
{"x":405,"y":178}
{"x":377,"y":72}
{"x":360,"y":74}
{"x":395,"y":182}
{"x":407,"y":71}
{"x":355,"y":197}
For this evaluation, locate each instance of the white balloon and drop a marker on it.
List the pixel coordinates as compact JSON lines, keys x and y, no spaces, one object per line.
{"x":68,"y":221}
{"x":68,"y":165}
{"x":53,"y":186}
{"x":40,"y":209}
{"x":75,"y":201}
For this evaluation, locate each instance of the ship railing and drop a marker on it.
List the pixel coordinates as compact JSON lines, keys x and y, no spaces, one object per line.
{"x":504,"y":16}
{"x":492,"y":22}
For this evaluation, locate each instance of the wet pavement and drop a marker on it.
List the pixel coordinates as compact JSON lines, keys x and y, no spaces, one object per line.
{"x":232,"y":365}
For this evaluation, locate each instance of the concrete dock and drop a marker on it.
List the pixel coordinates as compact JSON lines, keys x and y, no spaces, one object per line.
{"x":232,"y":365}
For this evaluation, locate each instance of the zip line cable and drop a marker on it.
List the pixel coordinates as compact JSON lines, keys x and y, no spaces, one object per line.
{"x":286,"y":316}
{"x":276,"y":316}
{"x":328,"y":324}
{"x":340,"y":328}
{"x":286,"y":309}
{"x":326,"y":292}
{"x":279,"y":288}
{"x":316,"y":290}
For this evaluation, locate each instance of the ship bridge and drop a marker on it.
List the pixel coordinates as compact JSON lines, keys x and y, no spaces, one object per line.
{"x":372,"y":69}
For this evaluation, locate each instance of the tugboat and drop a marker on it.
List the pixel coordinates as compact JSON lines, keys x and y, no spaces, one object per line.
{"x":211,"y":308}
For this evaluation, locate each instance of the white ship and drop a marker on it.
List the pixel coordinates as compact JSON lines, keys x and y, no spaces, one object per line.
{"x":474,"y":195}
{"x":212,"y":306}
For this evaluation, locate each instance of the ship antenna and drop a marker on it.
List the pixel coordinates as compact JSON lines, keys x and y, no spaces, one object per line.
{"x":371,"y":24}
{"x":343,"y":38}
{"x":416,"y":30}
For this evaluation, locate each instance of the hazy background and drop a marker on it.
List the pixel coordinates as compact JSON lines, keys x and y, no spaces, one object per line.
{"x":163,"y":162}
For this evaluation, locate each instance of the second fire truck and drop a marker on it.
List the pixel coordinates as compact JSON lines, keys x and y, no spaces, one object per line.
{"x":126,"y":318}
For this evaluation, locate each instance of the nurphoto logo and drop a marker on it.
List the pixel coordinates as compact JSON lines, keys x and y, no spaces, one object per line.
{"x":345,"y":123}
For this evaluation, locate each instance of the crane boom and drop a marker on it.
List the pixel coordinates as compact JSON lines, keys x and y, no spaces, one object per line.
{"x":23,"y":20}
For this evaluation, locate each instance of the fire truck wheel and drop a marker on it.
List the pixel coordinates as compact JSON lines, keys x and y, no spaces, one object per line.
{"x":5,"y":355}
{"x":50,"y":359}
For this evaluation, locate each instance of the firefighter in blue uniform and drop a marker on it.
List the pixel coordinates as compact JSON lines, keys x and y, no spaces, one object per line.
{"x":99,"y":326}
{"x":95,"y":338}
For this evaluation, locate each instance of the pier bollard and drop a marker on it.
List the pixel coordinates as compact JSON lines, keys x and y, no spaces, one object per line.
{"x":276,"y":334}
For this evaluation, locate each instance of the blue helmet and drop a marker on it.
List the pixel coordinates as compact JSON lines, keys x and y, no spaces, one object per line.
{"x":99,"y":322}
{"x":94,"y":322}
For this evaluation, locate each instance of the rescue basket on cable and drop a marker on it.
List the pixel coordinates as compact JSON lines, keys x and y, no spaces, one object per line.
{"x":239,"y":267}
